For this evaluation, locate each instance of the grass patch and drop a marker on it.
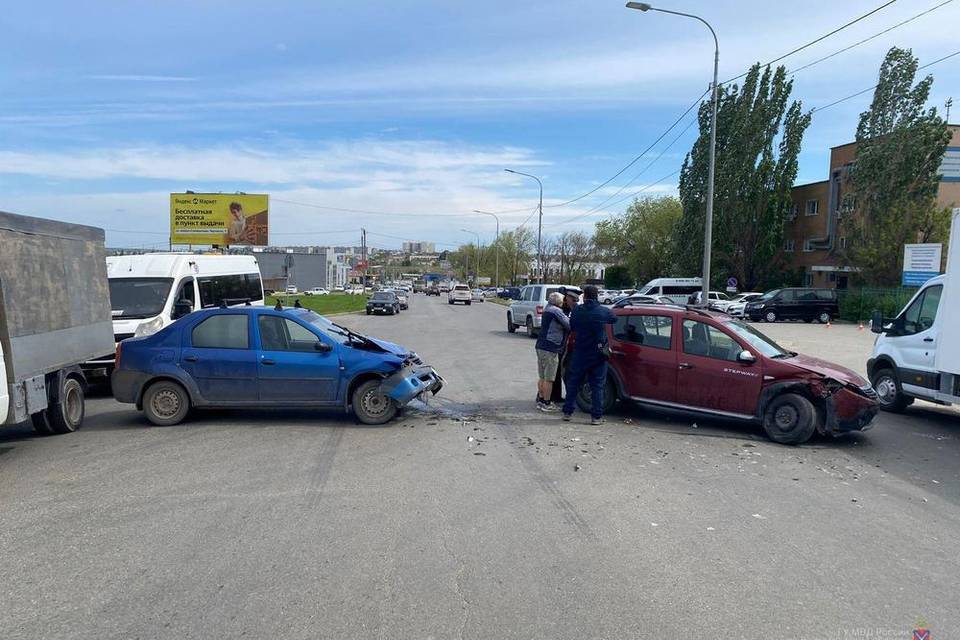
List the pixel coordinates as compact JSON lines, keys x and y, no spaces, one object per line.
{"x":324,"y":305}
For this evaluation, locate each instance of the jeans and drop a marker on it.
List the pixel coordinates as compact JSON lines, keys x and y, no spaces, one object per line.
{"x":594,"y":370}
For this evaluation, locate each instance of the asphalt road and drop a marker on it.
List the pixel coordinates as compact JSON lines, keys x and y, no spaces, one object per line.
{"x":468,"y":519}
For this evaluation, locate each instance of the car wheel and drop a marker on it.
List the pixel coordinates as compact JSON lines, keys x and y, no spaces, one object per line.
{"x":790,"y":419}
{"x":450,"y":301}
{"x":889,"y":392}
{"x":371,"y":406}
{"x":369,"y":312}
{"x":166,"y":403}
{"x":511,"y":328}
{"x":530,"y":330}
{"x":823,"y":318}
{"x":585,"y":399}
{"x":468,"y":303}
{"x":66,"y":416}
{"x":770,"y":316}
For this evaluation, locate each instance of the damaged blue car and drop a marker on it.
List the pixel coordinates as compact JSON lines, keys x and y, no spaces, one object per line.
{"x":260,"y":357}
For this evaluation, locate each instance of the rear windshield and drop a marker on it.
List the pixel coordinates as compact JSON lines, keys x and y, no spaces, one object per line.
{"x":461,"y":287}
{"x":138,"y":297}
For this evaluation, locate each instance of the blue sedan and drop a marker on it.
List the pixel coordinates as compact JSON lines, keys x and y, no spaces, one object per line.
{"x":261,"y":357}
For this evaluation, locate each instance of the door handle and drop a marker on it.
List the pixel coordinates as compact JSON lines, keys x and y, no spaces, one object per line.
{"x":685,"y":365}
{"x":928,"y":339}
{"x":268,"y":361}
{"x":191,"y":358}
{"x":616,"y":353}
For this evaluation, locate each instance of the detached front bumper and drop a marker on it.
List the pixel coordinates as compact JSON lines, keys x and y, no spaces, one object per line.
{"x":851,"y":410}
{"x":410,"y":382}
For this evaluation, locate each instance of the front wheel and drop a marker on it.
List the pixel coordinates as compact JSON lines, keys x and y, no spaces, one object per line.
{"x":770,"y":316}
{"x":166,"y":403}
{"x":790,"y":419}
{"x":824,"y":318}
{"x":371,"y":406}
{"x":585,"y":397}
{"x":469,"y":302}
{"x":511,"y":328}
{"x":889,"y":392}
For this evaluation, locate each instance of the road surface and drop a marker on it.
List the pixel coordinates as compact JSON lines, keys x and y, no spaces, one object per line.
{"x":469,"y":518}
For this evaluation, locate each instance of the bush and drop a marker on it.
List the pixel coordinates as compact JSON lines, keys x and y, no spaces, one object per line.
{"x":859,"y":304}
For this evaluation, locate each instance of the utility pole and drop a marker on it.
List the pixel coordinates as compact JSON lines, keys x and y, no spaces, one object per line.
{"x":539,"y":222}
{"x":363,"y":256}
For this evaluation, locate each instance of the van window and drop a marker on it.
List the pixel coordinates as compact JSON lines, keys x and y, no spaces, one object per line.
{"x":138,"y":297}
{"x":214,"y":289}
{"x":185,"y":292}
{"x":225,"y":331}
{"x":787,"y":295}
{"x":826,"y":295}
{"x":921,"y":315}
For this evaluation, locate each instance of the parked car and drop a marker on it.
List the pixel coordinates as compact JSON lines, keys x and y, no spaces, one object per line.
{"x":713,"y":298}
{"x":339,"y":289}
{"x":477,"y":295}
{"x":509,"y":293}
{"x":357,"y":291}
{"x":257,"y":357}
{"x":403,"y":297}
{"x":739,"y":302}
{"x":678,"y":289}
{"x":460,"y":293}
{"x":291,"y":289}
{"x":607,"y":296}
{"x":707,"y":363}
{"x":383,"y":302}
{"x":795,"y":304}
{"x":527,"y":309}
{"x":639,"y":298}
{"x":433,"y":290}
{"x":316,"y":291}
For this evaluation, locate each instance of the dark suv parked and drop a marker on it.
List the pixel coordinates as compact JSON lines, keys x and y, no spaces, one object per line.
{"x":795,"y":304}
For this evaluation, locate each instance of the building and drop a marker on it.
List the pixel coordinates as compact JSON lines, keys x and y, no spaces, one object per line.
{"x":419,"y":247}
{"x":813,"y":237}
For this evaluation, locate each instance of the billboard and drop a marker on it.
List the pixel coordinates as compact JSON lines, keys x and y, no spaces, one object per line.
{"x":218,"y":218}
{"x":920,"y":263}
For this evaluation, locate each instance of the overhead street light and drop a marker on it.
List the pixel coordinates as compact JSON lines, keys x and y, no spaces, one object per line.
{"x":496,"y":252}
{"x":708,"y":223}
{"x":539,"y":223}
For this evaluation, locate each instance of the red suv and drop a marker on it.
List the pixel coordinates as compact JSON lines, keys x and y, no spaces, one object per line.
{"x":709,"y":363}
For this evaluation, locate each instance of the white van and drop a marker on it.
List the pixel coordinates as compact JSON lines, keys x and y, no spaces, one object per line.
{"x":917,"y":354}
{"x":677,"y":289}
{"x":150,"y":291}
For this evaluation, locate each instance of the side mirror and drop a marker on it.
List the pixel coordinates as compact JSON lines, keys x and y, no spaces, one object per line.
{"x":746,"y":357}
{"x":876,"y":322}
{"x":322,"y":347}
{"x":181,"y":308}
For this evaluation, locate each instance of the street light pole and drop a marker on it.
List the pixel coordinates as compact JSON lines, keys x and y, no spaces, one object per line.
{"x":708,"y":223}
{"x":477,"y":274}
{"x":539,"y":224}
{"x":496,"y":252}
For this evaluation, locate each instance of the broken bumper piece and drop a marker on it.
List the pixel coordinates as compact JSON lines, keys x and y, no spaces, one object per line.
{"x":410,"y":382}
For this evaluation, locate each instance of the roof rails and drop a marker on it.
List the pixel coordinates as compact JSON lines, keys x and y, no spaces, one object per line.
{"x":227,"y":302}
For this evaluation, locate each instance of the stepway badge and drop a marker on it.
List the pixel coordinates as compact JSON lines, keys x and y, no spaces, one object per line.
{"x":921,"y":634}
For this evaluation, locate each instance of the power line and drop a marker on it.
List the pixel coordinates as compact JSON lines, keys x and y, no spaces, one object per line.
{"x":629,"y":195}
{"x":874,"y":36}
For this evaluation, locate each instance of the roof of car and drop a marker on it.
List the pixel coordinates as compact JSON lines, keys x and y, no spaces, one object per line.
{"x":674,"y":308}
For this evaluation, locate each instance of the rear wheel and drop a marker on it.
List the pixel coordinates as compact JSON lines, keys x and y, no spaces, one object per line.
{"x":371,"y":406}
{"x":66,"y":414}
{"x":823,"y":318}
{"x":790,"y":419}
{"x":889,"y":392}
{"x":585,"y":397}
{"x":530,"y":330}
{"x":511,"y":328}
{"x":770,"y":316}
{"x":469,"y":302}
{"x":166,"y":403}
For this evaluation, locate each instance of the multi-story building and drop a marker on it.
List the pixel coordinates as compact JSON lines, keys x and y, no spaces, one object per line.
{"x":813,"y":236}
{"x":419,"y":247}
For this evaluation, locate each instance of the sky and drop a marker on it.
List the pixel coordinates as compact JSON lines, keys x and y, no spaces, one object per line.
{"x":407,"y":111}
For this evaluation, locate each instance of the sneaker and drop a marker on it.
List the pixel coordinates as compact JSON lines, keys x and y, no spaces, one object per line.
{"x":567,"y":417}
{"x":596,"y":421}
{"x":546,"y":407}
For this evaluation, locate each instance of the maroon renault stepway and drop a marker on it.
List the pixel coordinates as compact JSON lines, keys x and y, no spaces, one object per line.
{"x":705,"y":362}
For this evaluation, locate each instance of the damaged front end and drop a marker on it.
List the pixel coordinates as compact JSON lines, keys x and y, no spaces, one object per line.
{"x":847,"y":407}
{"x":411,"y":382}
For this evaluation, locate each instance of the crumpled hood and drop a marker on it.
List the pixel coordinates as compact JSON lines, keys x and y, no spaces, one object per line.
{"x":828,"y":369}
{"x":390,"y":347}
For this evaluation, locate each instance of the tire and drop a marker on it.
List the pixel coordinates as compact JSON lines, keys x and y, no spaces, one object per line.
{"x":889,"y":391}
{"x":372,"y":407}
{"x":824,"y":318}
{"x":450,"y":301}
{"x":166,"y":403}
{"x":790,"y":419}
{"x":530,"y":332}
{"x":609,"y":396}
{"x":770,"y":316}
{"x":511,"y":328}
{"x":369,"y":312}
{"x":469,"y":302}
{"x":66,"y":414}
{"x":41,"y":423}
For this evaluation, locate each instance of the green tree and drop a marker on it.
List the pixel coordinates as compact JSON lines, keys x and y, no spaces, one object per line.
{"x":894,"y":181}
{"x":566,"y":256}
{"x":617,"y":277}
{"x":517,"y":248}
{"x":640,"y":237}
{"x":759,"y":132}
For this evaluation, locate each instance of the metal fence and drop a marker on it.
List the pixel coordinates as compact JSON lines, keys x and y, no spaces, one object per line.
{"x":859,"y":304}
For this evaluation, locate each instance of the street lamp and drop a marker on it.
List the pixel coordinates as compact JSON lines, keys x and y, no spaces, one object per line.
{"x":708,"y":223}
{"x":477,"y":275}
{"x":539,"y":223}
{"x":496,"y":253}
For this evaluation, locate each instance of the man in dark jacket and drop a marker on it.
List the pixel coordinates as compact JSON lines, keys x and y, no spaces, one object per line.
{"x":552,"y":340}
{"x":588,"y":323}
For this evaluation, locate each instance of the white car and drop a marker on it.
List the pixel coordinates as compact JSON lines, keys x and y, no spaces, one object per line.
{"x":316,"y":291}
{"x":356,"y":291}
{"x":291,"y":289}
{"x":402,"y":296}
{"x":477,"y":295}
{"x":608,"y":296}
{"x":460,"y":293}
{"x":739,"y":302}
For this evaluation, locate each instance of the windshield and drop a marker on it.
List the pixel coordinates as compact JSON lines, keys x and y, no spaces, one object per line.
{"x":334,"y":332}
{"x":382,"y":297}
{"x":138,"y":297}
{"x":769,"y":295}
{"x":757,"y":340}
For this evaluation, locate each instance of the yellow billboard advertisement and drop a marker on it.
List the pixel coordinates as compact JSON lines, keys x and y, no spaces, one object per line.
{"x":218,"y":218}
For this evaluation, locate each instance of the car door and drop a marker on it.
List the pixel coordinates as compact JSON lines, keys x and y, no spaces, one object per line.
{"x":290,"y":366}
{"x":917,"y":341}
{"x":785,"y":304}
{"x":643,"y":356}
{"x":709,"y":374}
{"x":217,"y":355}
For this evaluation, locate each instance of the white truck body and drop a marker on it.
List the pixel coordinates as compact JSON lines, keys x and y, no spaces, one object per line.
{"x":54,"y":314}
{"x":921,"y":346}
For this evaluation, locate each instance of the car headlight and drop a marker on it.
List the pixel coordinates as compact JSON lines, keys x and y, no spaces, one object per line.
{"x":149,"y":327}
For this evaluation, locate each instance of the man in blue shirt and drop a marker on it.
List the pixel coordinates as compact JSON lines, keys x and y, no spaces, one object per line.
{"x":588,"y":324}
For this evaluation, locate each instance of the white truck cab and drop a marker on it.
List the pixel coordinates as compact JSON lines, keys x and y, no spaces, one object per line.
{"x":917,"y":354}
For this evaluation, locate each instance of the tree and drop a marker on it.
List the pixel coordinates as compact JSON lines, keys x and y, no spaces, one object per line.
{"x":895,"y":178}
{"x":758,"y":140}
{"x":567,"y":255}
{"x":617,"y":277}
{"x":516,"y":249}
{"x":640,"y":238}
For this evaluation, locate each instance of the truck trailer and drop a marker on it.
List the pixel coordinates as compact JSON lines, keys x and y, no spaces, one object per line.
{"x":54,"y":315}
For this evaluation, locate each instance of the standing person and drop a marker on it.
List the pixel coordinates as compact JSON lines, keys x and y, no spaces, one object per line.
{"x":588,"y":323}
{"x":571,"y":298}
{"x":554,"y":327}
